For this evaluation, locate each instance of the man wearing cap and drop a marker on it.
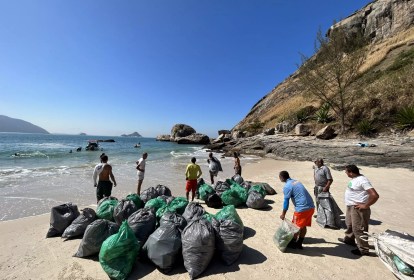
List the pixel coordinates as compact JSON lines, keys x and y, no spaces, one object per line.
{"x":323,"y":179}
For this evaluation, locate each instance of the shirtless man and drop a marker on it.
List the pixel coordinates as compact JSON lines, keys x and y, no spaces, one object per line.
{"x":103,"y":171}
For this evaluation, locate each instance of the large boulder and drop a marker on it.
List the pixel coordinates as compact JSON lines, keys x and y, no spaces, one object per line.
{"x":326,"y":133}
{"x":224,"y":131}
{"x":238,"y":134}
{"x":163,"y":137}
{"x":269,"y":131}
{"x":195,"y":138}
{"x":181,"y":130}
{"x":302,"y":129}
{"x":284,"y":127}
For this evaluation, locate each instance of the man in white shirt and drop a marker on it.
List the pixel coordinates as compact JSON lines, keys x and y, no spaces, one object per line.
{"x":359,"y":196}
{"x":141,"y":171}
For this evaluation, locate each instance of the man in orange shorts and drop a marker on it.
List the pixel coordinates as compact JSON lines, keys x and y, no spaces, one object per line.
{"x":192,"y":173}
{"x":304,"y":207}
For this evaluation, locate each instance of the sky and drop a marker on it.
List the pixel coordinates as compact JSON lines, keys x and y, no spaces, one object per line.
{"x":115,"y":67}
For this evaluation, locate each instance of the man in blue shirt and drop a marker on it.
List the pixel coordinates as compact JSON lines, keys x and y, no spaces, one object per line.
{"x":304,"y":207}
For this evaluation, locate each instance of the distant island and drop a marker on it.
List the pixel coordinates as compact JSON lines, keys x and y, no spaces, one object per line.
{"x":8,"y":124}
{"x":82,"y":133}
{"x":135,"y":134}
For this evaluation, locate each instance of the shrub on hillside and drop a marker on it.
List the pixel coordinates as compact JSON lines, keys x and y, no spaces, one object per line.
{"x":405,"y":117}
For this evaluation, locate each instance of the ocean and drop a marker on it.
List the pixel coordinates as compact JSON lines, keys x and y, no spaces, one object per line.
{"x":38,"y":171}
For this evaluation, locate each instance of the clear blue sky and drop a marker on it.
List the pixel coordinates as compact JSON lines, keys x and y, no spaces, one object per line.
{"x":113,"y":67}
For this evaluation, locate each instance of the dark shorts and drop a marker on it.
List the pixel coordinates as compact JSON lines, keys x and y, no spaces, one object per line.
{"x":103,"y":189}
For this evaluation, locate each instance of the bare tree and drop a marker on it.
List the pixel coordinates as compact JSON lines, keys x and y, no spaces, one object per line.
{"x":328,"y":75}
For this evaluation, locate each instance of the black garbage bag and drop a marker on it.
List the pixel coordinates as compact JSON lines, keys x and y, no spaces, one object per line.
{"x":238,"y":179}
{"x":95,"y":234}
{"x":61,"y":217}
{"x":123,"y":210}
{"x":164,"y":245}
{"x":163,"y":190}
{"x":193,"y":211}
{"x":247,"y":185}
{"x":214,"y":201}
{"x":148,"y":194}
{"x":142,"y":223}
{"x":78,"y":226}
{"x":269,"y":190}
{"x":119,"y":253}
{"x":229,"y":239}
{"x":198,"y":239}
{"x":256,"y":200}
{"x":221,"y":187}
{"x":329,"y":213}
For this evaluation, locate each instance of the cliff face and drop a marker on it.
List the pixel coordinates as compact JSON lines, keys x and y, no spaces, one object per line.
{"x":389,"y":24}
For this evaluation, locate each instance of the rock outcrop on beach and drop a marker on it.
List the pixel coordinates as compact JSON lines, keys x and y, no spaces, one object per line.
{"x":384,"y":151}
{"x":184,"y":134}
{"x":8,"y":124}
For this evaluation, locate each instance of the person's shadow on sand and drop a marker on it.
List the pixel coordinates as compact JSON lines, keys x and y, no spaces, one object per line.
{"x":341,"y":250}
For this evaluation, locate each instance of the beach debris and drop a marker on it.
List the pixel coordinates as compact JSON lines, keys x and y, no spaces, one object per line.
{"x":136,"y":199}
{"x":106,"y":209}
{"x":119,"y":252}
{"x":236,"y":195}
{"x":163,"y":190}
{"x":256,"y":200}
{"x":214,"y":201}
{"x":95,"y":234}
{"x":79,"y":225}
{"x":205,"y":190}
{"x":61,"y":217}
{"x":148,"y":194}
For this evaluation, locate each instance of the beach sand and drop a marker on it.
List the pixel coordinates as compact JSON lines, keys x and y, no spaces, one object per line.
{"x":25,"y":253}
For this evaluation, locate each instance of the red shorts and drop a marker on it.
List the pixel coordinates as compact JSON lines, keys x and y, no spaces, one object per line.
{"x":191,"y":185}
{"x":303,"y":219}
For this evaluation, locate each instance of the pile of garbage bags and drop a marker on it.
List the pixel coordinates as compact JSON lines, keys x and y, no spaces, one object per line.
{"x":157,"y":226}
{"x":236,"y":192}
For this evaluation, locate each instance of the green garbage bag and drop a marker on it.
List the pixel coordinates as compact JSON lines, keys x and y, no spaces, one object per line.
{"x":229,"y":213}
{"x":106,"y":209}
{"x":119,"y":252}
{"x":236,"y":195}
{"x":177,"y":205}
{"x":155,"y":203}
{"x":258,"y":189}
{"x":208,"y":216}
{"x":204,"y":190}
{"x":136,"y":199}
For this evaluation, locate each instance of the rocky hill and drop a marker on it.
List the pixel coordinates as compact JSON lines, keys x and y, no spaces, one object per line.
{"x":8,"y":124}
{"x":385,"y":85}
{"x":134,"y":134}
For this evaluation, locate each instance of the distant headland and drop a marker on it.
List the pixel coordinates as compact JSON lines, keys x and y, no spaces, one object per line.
{"x":8,"y":124}
{"x":135,"y":134}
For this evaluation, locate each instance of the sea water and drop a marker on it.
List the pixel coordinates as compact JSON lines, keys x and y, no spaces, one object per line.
{"x":39,"y":171}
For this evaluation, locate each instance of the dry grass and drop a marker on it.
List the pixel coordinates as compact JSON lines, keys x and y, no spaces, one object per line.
{"x":379,"y":51}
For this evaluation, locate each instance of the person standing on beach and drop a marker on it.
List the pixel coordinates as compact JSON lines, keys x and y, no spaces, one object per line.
{"x":359,"y":196}
{"x":103,"y":172}
{"x":141,"y":171}
{"x":323,"y":179}
{"x":237,"y":166}
{"x":304,"y":207}
{"x":214,"y":166}
{"x":192,"y":173}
